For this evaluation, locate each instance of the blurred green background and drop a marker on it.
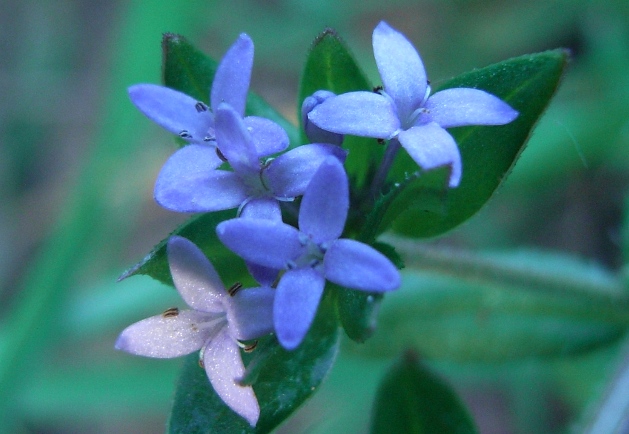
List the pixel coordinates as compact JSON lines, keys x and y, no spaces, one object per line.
{"x":78,"y":163}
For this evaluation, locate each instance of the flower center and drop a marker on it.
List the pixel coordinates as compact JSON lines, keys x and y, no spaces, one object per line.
{"x":312,"y":255}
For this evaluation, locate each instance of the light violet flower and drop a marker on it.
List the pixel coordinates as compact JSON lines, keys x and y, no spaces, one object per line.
{"x":313,"y":132}
{"x":404,"y":113}
{"x":310,"y":254}
{"x":193,"y":120}
{"x":214,"y":324}
{"x":190,"y":181}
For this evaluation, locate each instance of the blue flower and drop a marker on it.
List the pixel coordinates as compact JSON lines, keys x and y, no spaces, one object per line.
{"x":191,"y":180}
{"x":310,"y":254}
{"x":215,"y":323}
{"x":194,"y":121}
{"x":405,"y":113}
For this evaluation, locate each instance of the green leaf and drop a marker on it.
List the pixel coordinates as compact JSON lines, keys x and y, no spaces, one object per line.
{"x":499,"y":307}
{"x":286,"y":380}
{"x":201,"y":230}
{"x":358,"y":310}
{"x":190,"y":71}
{"x":330,"y":66}
{"x":527,"y":83}
{"x":413,"y":400}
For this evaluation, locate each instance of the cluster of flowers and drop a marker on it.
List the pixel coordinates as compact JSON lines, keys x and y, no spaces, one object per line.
{"x":291,"y":264}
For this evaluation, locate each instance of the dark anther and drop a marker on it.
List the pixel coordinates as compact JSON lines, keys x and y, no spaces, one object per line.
{"x":220,"y":155}
{"x":201,"y":107}
{"x":184,"y":134}
{"x":381,"y":141}
{"x":170,"y":313}
{"x":249,"y":348}
{"x":234,"y":288}
{"x":377,"y":89}
{"x":208,"y":139}
{"x":201,"y":364}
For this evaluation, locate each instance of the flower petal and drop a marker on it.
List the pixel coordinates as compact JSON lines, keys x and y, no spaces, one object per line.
{"x":234,"y":141}
{"x":288,"y":175}
{"x":231,"y":81}
{"x":325,"y":203}
{"x":262,"y":208}
{"x":265,"y":242}
{"x":188,"y":183}
{"x":356,"y":265}
{"x":365,"y":114}
{"x":401,"y":69}
{"x":313,"y":132}
{"x":223,"y":365}
{"x":165,"y":337}
{"x":250,"y":312}
{"x":296,"y":302}
{"x":431,"y":146}
{"x":194,"y":276}
{"x":172,"y":110}
{"x":268,"y":137}
{"x":465,"y":106}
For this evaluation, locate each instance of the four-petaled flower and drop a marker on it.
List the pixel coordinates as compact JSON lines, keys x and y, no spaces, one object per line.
{"x":403,"y":111}
{"x":310,"y":254}
{"x":214,"y":325}
{"x":194,"y":121}
{"x":190,"y":181}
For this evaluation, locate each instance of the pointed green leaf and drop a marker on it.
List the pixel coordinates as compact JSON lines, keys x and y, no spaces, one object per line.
{"x":413,"y":400}
{"x":527,"y":83}
{"x":190,"y":71}
{"x":285,"y":381}
{"x":201,"y":230}
{"x":499,"y":307}
{"x":330,"y":66}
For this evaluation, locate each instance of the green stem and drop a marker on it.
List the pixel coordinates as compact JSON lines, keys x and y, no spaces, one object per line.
{"x":597,"y":296}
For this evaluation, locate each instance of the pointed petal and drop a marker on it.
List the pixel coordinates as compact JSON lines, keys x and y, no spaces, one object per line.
{"x":223,"y":365}
{"x":325,"y":203}
{"x":234,"y":141}
{"x":365,"y":114}
{"x":172,"y":110}
{"x":250,"y":313}
{"x":262,"y":208}
{"x":188,"y":183}
{"x":265,"y":242}
{"x":296,"y":302}
{"x":288,"y":175}
{"x":194,"y":276}
{"x":400,"y":67}
{"x":431,"y":146}
{"x":355,"y":265}
{"x":465,"y":106}
{"x":313,"y":132}
{"x":268,"y":137}
{"x":165,"y":337}
{"x":231,"y":81}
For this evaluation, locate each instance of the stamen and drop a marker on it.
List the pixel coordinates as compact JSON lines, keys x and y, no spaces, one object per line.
{"x":208,"y":139}
{"x":220,"y":155}
{"x":247,"y":348}
{"x":201,"y":107}
{"x":171,"y":313}
{"x":377,"y":89}
{"x":185,"y":134}
{"x":234,"y":288}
